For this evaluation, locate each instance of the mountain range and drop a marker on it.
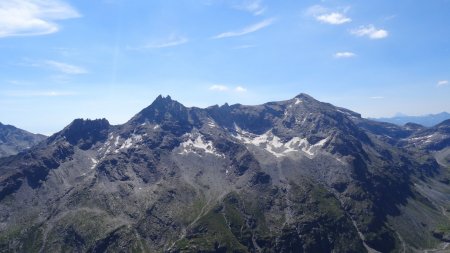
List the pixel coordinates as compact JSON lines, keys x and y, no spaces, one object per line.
{"x":290,"y":176}
{"x":13,"y":140}
{"x":424,"y":120}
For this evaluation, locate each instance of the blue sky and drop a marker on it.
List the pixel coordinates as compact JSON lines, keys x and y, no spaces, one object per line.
{"x":64,"y":59}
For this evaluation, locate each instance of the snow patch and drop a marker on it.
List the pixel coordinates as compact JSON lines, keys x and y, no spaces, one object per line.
{"x":212,"y":124}
{"x":424,"y":139}
{"x":128,"y":143}
{"x":194,"y":144}
{"x":347,"y":113}
{"x":298,"y":101}
{"x":344,"y":112}
{"x":94,"y":163}
{"x":156,"y":127}
{"x":273,"y":144}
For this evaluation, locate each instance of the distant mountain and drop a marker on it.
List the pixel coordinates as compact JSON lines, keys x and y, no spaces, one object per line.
{"x":425,"y":120}
{"x":290,"y":176}
{"x":13,"y":140}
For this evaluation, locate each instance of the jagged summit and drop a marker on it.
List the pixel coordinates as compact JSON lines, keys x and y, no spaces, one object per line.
{"x":305,"y":96}
{"x":161,"y":107}
{"x":84,"y":132}
{"x":162,"y":100}
{"x":165,"y":112}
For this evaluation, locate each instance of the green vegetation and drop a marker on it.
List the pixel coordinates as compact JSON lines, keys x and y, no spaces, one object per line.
{"x":79,"y":230}
{"x":211,"y":233}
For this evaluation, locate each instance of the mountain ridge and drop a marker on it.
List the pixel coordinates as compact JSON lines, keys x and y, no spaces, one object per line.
{"x":428,"y":120}
{"x":294,"y":175}
{"x":14,"y":140}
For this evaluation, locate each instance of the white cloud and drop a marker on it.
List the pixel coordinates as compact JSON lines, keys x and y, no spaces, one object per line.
{"x":33,"y":17}
{"x":253,"y":6}
{"x":218,"y":87}
{"x":377,"y":97}
{"x":224,"y":88}
{"x":65,"y":68}
{"x":370,"y":31}
{"x":316,"y":10}
{"x":172,"y":41}
{"x":344,"y":55}
{"x":334,"y":18}
{"x":328,"y":16}
{"x":246,"y":30}
{"x":240,"y":89}
{"x":442,"y":83}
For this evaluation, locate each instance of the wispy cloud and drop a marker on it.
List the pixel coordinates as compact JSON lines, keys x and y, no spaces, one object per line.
{"x":377,"y":97}
{"x":249,"y":29}
{"x":27,"y":93}
{"x":33,"y":17}
{"x":334,"y":18}
{"x":61,"y":67}
{"x":65,"y":68}
{"x":390,"y":17}
{"x":218,"y":87}
{"x":224,"y":88}
{"x":19,"y":82}
{"x":370,"y":31}
{"x":442,"y":83}
{"x":255,"y":7}
{"x":328,"y":16}
{"x":240,"y":89}
{"x":172,"y":41}
{"x":339,"y":55}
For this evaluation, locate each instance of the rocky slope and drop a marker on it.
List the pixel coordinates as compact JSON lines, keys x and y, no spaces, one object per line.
{"x":290,"y":176}
{"x":13,"y":140}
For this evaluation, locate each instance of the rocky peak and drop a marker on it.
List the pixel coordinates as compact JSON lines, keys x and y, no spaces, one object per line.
{"x":306,"y":97}
{"x":2,"y":126}
{"x":162,"y":108}
{"x":84,"y":133}
{"x":161,"y":101}
{"x":169,"y":114}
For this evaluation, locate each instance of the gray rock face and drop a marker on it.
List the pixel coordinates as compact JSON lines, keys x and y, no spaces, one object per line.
{"x":13,"y":140}
{"x":434,"y":138}
{"x":290,"y":176}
